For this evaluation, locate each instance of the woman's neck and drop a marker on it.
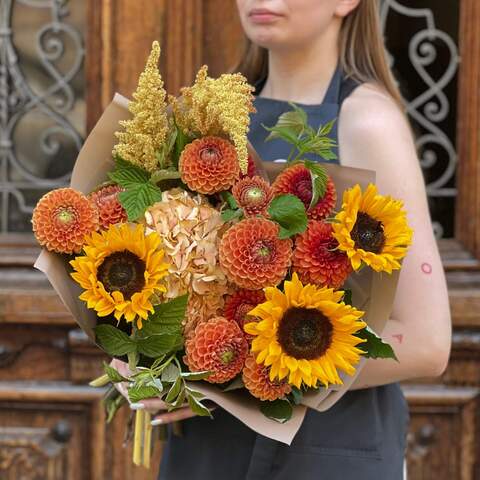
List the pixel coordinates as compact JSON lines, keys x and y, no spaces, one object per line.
{"x":303,"y":74}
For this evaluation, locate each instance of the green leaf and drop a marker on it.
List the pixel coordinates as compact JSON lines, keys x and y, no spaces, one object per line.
{"x":228,"y":215}
{"x":112,"y":404}
{"x":288,"y":211}
{"x":179,"y":401}
{"x":235,"y":384}
{"x":180,"y":141}
{"x":157,"y":345}
{"x":230,"y":199}
{"x":290,"y":125}
{"x":126,"y":174}
{"x":284,"y":133}
{"x":196,"y":375}
{"x":374,"y":347}
{"x":141,"y":392}
{"x":297,"y":395}
{"x":171,"y":373}
{"x":278,"y":410}
{"x":164,"y":151}
{"x":164,"y":174}
{"x":347,"y":297}
{"x":319,"y":181}
{"x":138,"y":197}
{"x":198,"y":407}
{"x":174,"y":390}
{"x":113,"y":340}
{"x":113,"y":374}
{"x":324,"y":130}
{"x":166,"y":319}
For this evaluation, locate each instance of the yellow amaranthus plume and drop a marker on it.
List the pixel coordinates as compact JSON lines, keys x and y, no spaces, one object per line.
{"x":146,"y":132}
{"x":217,"y":107}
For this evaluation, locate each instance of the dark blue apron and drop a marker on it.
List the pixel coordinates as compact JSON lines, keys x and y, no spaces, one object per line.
{"x":361,"y":437}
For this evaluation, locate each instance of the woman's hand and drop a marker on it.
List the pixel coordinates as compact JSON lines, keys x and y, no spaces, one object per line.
{"x":155,"y":406}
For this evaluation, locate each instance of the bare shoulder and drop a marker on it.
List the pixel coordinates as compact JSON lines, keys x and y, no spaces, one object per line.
{"x":374,"y":132}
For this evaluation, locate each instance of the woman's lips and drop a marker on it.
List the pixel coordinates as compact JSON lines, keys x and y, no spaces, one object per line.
{"x":263,"y":16}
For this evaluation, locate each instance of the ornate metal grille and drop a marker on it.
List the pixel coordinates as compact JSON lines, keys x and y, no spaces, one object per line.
{"x":421,"y":38}
{"x":42,"y":112}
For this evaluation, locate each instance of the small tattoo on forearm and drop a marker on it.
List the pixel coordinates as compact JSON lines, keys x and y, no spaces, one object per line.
{"x":398,"y":337}
{"x":426,"y":268}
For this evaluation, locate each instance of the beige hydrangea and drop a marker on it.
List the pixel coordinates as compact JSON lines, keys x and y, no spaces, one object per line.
{"x":190,"y":229}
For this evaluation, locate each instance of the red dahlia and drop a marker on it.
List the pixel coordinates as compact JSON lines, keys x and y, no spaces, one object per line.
{"x":253,"y":195}
{"x":297,"y":180}
{"x":109,"y":208}
{"x":240,"y":303}
{"x":218,"y":346}
{"x":252,"y":255}
{"x":257,"y":381}
{"x":316,"y":259}
{"x":209,"y":165}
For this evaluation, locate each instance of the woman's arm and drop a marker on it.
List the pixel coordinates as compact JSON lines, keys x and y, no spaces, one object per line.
{"x":374,"y":134}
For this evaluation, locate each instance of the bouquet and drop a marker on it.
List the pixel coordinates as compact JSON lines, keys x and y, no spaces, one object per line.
{"x":215,"y":276}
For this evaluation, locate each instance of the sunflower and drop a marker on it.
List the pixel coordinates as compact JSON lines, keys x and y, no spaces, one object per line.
{"x":372,"y":229}
{"x":306,"y":333}
{"x":121,"y":272}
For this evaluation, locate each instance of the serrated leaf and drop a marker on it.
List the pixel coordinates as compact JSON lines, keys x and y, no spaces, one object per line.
{"x":326,"y":129}
{"x":289,"y":212}
{"x":319,"y":181}
{"x":138,"y":197}
{"x":157,"y":345}
{"x":278,"y":410}
{"x":174,"y":390}
{"x":198,"y":407}
{"x":228,"y":215}
{"x":141,"y":392}
{"x":113,"y":340}
{"x":126,"y":174}
{"x":285,"y":133}
{"x":374,"y":346}
{"x":170,"y":373}
{"x":195,"y":375}
{"x":113,"y":374}
{"x":167,"y":318}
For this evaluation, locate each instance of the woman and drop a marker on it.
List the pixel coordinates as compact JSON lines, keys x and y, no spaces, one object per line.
{"x":328,"y":56}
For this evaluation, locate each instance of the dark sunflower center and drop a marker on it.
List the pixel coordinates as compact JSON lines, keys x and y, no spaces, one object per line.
{"x":368,"y":234}
{"x":263,"y":251}
{"x":304,"y":333}
{"x":255,"y":195}
{"x":210,"y":154}
{"x":123,"y":272}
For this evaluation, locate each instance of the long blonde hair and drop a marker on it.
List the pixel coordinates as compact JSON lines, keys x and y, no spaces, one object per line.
{"x":363,"y":56}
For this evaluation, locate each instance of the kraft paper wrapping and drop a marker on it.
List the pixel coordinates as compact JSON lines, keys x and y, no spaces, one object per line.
{"x":371,"y":291}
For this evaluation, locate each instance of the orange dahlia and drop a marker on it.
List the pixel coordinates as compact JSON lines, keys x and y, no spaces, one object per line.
{"x":217,"y":346}
{"x":297,"y":180}
{"x":62,"y":218}
{"x":253,"y":195}
{"x":253,"y":256}
{"x":110,"y":210}
{"x":240,"y":303}
{"x":256,"y":379}
{"x":209,"y":165}
{"x":316,"y":258}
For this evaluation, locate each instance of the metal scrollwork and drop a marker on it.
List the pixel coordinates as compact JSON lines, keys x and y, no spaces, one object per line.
{"x":429,"y":108}
{"x":39,"y":138}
